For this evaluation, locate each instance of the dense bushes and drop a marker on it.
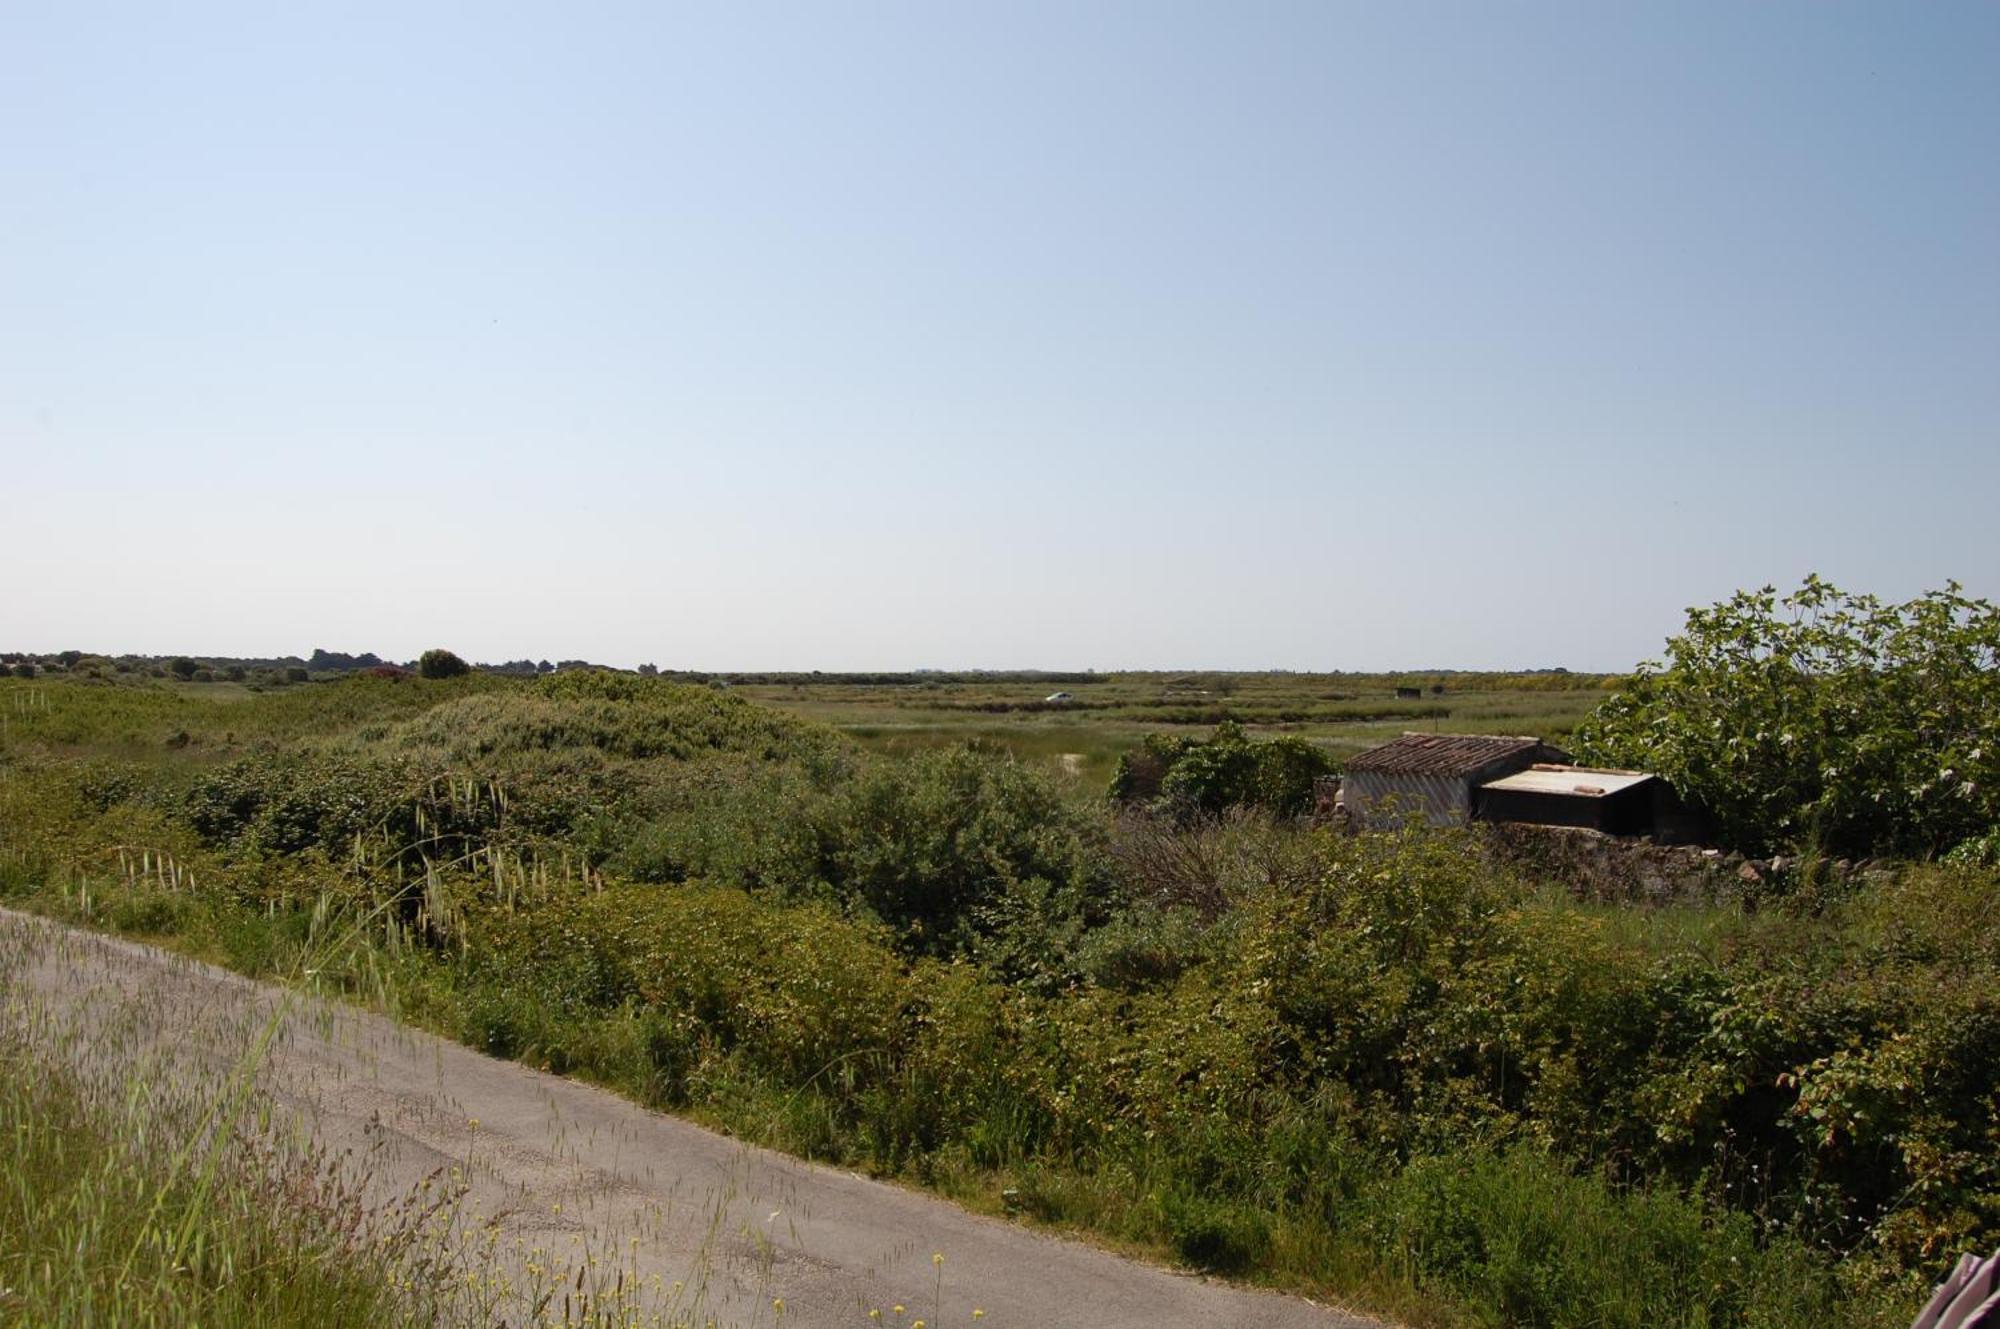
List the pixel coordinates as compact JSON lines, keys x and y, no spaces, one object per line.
{"x":1822,"y":720}
{"x":285,"y":803}
{"x":1373,"y":1062}
{"x":790,"y":989}
{"x":1402,"y":1051}
{"x":591,"y":715}
{"x":957,"y":842}
{"x":1188,"y":778}
{"x":958,"y":850}
{"x":1833,"y":1081}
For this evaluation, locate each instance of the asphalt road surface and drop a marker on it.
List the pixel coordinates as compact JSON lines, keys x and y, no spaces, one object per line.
{"x":559,"y":1190}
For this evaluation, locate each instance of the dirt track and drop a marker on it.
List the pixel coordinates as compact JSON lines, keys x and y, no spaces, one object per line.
{"x":558,"y":1176}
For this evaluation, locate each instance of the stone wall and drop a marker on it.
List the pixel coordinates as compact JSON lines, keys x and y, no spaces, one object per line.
{"x":1612,"y":869}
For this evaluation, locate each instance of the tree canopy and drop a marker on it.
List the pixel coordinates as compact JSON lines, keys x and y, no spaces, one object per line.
{"x":1822,"y":719}
{"x":440,"y":663}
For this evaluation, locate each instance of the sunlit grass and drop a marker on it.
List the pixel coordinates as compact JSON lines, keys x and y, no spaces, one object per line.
{"x":137,"y":1190}
{"x":1083,"y":739}
{"x":689,"y":898}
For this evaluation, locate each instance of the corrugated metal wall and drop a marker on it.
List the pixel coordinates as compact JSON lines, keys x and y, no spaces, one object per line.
{"x":1376,"y":800}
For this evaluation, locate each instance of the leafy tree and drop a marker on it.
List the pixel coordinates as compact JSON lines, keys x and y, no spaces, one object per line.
{"x":24,"y":670}
{"x":1822,"y":718}
{"x":440,"y":663}
{"x":182,"y":667}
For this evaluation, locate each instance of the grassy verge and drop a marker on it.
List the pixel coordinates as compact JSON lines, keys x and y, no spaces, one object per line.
{"x":106,"y":1220}
{"x":1513,"y":1235}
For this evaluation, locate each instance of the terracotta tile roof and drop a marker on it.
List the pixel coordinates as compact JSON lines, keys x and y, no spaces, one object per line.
{"x":1444,"y":754}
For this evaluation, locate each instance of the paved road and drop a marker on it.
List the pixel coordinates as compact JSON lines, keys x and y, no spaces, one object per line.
{"x":558,"y":1177}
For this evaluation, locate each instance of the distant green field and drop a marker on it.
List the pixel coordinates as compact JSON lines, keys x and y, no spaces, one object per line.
{"x":1083,"y":737}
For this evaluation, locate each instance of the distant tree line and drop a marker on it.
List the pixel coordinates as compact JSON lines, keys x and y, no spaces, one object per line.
{"x":327,"y":662}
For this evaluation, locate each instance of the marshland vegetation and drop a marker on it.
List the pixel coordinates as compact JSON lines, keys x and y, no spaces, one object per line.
{"x":1386,"y":1069}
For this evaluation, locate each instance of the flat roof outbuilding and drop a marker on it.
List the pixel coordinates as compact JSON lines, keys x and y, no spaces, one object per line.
{"x":1570,"y":781}
{"x":1613,"y":802}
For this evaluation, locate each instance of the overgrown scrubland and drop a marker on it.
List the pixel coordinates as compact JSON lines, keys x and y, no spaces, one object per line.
{"x":1381,"y":1067}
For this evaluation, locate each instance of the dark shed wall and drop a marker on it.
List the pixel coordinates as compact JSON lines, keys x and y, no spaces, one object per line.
{"x":1626,"y":812}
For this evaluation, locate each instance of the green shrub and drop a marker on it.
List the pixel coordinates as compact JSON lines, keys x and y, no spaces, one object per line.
{"x":1143,"y":947}
{"x":926,"y":843}
{"x":1141,"y":770}
{"x":1977,"y":850}
{"x":1215,"y":1233}
{"x":1526,"y":1242}
{"x":1190,"y":778}
{"x":277,"y":804}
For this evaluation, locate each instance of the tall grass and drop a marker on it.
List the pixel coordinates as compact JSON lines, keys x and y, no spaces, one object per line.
{"x":94,"y":1232}
{"x":137,"y":1190}
{"x":150,"y":1180}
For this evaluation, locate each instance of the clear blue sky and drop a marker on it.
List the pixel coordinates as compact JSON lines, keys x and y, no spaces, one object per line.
{"x":859,"y":335}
